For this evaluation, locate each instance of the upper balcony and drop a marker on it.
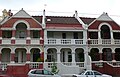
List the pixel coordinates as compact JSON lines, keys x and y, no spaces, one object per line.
{"x":21,"y":37}
{"x":82,"y":42}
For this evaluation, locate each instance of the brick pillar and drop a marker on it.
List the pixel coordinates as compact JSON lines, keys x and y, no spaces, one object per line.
{"x":100,"y":56}
{"x":28,"y":57}
{"x":28,"y":33}
{"x":42,"y":34}
{"x":13,"y":33}
{"x":113,"y":56}
{"x":12,"y":57}
{"x":0,"y":33}
{"x":13,"y":37}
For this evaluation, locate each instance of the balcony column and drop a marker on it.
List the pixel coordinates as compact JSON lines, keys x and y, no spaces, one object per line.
{"x":99,"y":38}
{"x":58,"y":54}
{"x":100,"y":53}
{"x":112,"y":39}
{"x":45,"y":54}
{"x":42,"y":37}
{"x":113,"y":55}
{"x":73,"y":56}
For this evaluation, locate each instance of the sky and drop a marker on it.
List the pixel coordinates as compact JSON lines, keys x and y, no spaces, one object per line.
{"x":85,"y":8}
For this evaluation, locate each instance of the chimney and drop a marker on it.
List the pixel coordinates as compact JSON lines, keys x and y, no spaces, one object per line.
{"x":43,"y":19}
{"x":76,"y":14}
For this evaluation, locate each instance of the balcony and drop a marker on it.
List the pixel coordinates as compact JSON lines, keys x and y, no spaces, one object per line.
{"x":64,"y":42}
{"x":82,"y":42}
{"x":21,"y":41}
{"x":104,"y":41}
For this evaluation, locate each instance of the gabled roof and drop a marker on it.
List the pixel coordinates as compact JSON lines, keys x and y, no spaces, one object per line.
{"x":104,"y":17}
{"x":22,"y":14}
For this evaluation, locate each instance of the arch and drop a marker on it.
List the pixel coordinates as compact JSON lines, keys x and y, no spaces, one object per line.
{"x":94,"y":53}
{"x":117,"y":54}
{"x":66,"y":55}
{"x":20,"y":55}
{"x":105,"y":32}
{"x":104,"y":24}
{"x":51,"y":55}
{"x":5,"y":57}
{"x":21,"y":21}
{"x":79,"y":55}
{"x":35,"y":55}
{"x":107,"y":54}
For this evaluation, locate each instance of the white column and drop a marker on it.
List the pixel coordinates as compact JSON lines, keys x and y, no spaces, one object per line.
{"x":58,"y":55}
{"x":19,"y":56}
{"x":73,"y":56}
{"x":45,"y":54}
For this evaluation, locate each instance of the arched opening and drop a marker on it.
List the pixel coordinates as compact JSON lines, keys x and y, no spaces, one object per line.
{"x":21,"y":30}
{"x":117,"y":54}
{"x":107,"y":54}
{"x":20,"y":55}
{"x":94,"y":53}
{"x":79,"y":55}
{"x":5,"y":55}
{"x":51,"y":55}
{"x":35,"y":55}
{"x":66,"y":55}
{"x":105,"y":32}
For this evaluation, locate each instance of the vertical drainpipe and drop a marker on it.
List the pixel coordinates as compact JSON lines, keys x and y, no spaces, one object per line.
{"x":87,"y":62}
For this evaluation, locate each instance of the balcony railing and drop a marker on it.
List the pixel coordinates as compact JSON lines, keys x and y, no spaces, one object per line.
{"x":63,"y":41}
{"x":82,"y":41}
{"x":23,"y":41}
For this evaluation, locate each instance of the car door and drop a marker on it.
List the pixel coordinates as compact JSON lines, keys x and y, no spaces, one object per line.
{"x":48,"y":73}
{"x":97,"y":74}
{"x":89,"y":74}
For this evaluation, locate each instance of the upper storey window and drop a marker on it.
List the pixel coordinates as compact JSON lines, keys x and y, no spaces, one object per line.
{"x":6,"y":34}
{"x":35,"y":34}
{"x":21,"y":30}
{"x":105,"y":32}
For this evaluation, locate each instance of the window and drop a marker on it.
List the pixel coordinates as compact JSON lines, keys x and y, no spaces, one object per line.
{"x":38,"y":72}
{"x":50,"y":34}
{"x":75,"y":34}
{"x":64,"y":35}
{"x":36,"y":34}
{"x":6,"y":34}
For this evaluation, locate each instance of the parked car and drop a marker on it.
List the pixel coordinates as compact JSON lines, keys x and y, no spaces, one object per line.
{"x":41,"y":73}
{"x":91,"y":73}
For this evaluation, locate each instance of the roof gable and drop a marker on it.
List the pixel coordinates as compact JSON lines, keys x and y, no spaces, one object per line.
{"x":104,"y":17}
{"x":22,"y":14}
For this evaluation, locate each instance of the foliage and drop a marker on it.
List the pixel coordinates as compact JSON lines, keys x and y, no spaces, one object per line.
{"x":54,"y":68}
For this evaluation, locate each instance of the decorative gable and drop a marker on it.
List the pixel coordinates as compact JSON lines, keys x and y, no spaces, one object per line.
{"x":22,"y":14}
{"x":104,"y":17}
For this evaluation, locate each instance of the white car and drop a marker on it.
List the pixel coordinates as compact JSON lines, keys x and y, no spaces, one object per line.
{"x":41,"y":73}
{"x":91,"y":73}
